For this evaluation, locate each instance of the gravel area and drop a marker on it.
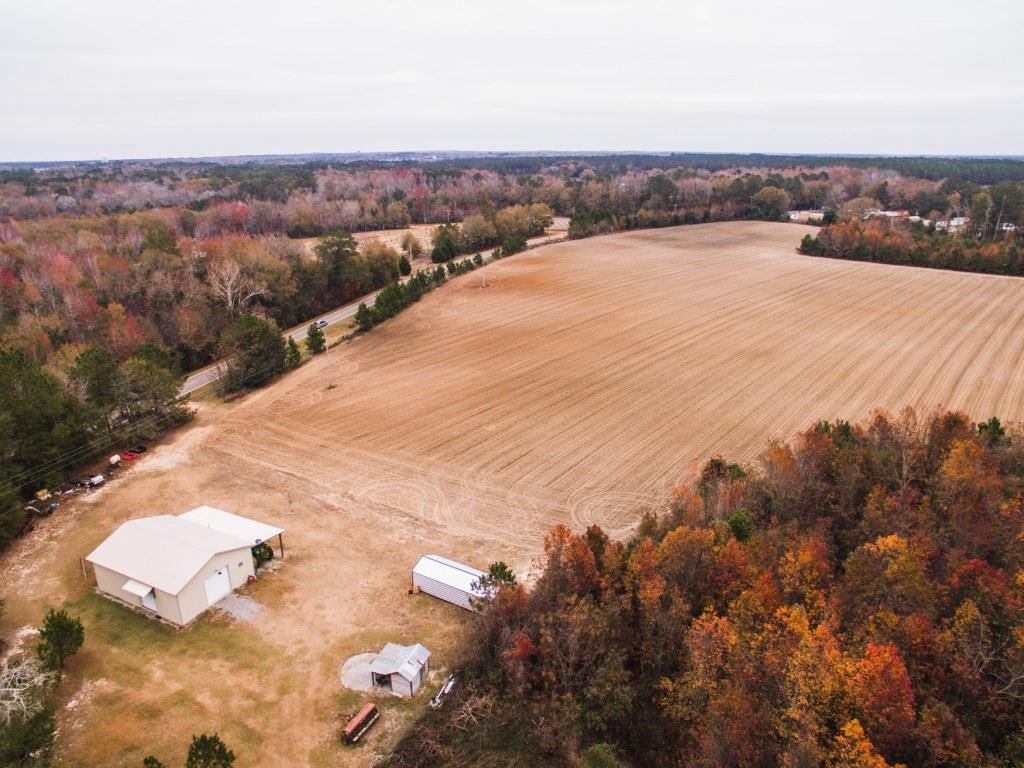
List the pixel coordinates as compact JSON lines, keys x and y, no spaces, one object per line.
{"x":240,"y":607}
{"x":355,"y":673}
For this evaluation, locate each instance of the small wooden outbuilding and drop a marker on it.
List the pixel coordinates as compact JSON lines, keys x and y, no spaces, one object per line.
{"x":401,"y":669}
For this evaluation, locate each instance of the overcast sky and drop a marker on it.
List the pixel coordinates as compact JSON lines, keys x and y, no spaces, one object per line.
{"x":82,"y":79}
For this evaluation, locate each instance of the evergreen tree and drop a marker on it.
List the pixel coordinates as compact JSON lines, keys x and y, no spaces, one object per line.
{"x":315,"y":341}
{"x":39,"y":423}
{"x":445,"y":244}
{"x":209,"y":752}
{"x":404,"y":266}
{"x":59,"y":639}
{"x":292,"y":354}
{"x":94,"y":372}
{"x":364,"y":317}
{"x":254,"y":349}
{"x":512,"y":244}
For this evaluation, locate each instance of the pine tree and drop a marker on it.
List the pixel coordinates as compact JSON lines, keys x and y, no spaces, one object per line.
{"x":59,"y":639}
{"x":315,"y":341}
{"x":292,"y":355}
{"x":364,"y":317}
{"x":209,"y":752}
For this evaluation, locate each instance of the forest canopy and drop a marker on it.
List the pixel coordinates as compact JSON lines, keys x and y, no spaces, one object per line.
{"x":854,"y":599}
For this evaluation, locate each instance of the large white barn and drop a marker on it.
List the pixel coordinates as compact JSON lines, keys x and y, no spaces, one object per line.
{"x":177,"y":567}
{"x":448,"y":580}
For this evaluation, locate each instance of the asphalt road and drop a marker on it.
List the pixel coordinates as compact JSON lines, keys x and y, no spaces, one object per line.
{"x":214,"y":371}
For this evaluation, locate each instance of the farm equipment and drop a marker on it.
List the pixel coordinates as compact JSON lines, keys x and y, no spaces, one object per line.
{"x":41,"y":506}
{"x":445,"y":689}
{"x":360,"y":723}
{"x":262,"y":553}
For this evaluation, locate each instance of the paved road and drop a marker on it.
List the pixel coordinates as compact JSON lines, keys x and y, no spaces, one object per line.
{"x":212,"y":372}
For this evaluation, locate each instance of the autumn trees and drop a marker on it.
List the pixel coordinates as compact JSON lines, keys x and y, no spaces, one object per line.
{"x":510,"y":227}
{"x":867,"y":611}
{"x":883,"y":241}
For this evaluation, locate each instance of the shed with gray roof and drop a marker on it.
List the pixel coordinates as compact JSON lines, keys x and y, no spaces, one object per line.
{"x":401,"y":669}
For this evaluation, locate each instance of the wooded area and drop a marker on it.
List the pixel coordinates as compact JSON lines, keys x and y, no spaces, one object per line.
{"x":858,"y":600}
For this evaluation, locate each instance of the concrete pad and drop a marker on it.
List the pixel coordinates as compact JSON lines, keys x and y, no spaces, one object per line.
{"x":355,"y":673}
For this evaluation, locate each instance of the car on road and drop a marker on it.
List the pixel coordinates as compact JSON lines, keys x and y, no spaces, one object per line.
{"x":321,"y":323}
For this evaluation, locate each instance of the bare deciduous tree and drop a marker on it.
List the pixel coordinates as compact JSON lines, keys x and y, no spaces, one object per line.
{"x":232,"y":286}
{"x":21,"y":681}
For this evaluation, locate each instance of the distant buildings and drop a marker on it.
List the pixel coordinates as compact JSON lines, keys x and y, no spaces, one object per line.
{"x":954,"y":224}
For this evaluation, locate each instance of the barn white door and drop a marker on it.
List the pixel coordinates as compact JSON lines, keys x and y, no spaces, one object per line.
{"x":217,"y":586}
{"x":149,"y":601}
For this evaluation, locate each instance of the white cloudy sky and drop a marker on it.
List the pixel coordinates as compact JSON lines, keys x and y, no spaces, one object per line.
{"x":131,"y":78}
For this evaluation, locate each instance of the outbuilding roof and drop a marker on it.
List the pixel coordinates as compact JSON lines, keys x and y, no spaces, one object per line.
{"x":449,"y":572}
{"x":164,"y":552}
{"x":405,"y":660}
{"x":242,"y":528}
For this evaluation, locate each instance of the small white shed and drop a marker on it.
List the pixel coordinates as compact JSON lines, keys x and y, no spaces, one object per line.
{"x":401,"y":669}
{"x":447,"y":580}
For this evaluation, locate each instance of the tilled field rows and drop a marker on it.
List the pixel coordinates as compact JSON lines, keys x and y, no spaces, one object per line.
{"x":585,"y":379}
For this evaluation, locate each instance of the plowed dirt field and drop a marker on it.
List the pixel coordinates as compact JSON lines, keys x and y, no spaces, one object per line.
{"x":574,"y":383}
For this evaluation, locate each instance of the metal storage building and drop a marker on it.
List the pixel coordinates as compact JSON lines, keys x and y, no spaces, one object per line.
{"x":447,"y":580}
{"x":171,"y":567}
{"x":401,"y":669}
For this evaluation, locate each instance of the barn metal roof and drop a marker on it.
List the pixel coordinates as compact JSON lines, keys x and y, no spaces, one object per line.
{"x":405,"y":660}
{"x":164,"y":552}
{"x":234,"y":525}
{"x":450,"y":572}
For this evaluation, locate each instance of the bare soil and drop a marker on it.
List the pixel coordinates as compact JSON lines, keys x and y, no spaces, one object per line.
{"x":575,"y":385}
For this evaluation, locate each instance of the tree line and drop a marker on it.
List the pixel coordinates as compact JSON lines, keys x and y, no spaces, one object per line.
{"x":854,"y":601}
{"x":880,"y":240}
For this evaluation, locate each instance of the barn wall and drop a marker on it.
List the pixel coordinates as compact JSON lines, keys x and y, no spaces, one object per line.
{"x":400,"y":686}
{"x":112,"y":582}
{"x":192,"y":597}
